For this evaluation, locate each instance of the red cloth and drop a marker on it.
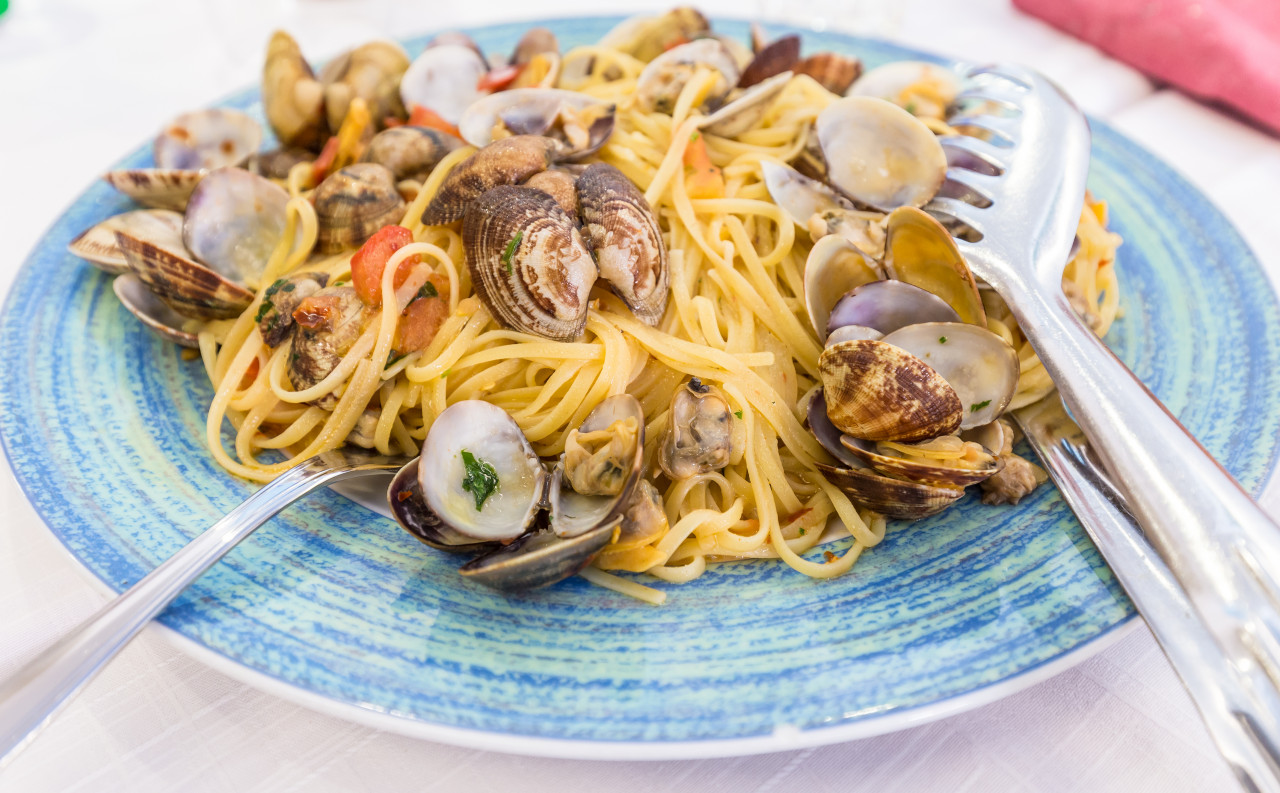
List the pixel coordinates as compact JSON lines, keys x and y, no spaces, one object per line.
{"x":1224,"y":50}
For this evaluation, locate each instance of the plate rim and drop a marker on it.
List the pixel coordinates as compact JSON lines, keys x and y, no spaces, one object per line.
{"x":783,"y":737}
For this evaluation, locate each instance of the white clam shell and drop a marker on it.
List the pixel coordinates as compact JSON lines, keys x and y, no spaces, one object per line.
{"x":443,"y":79}
{"x":879,"y":154}
{"x":834,"y":267}
{"x":981,"y":366}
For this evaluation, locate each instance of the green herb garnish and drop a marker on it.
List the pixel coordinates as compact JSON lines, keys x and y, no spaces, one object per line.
{"x":480,"y":480}
{"x":267,"y":305}
{"x":428,"y":290}
{"x":393,"y":357}
{"x":979,"y":406}
{"x":288,"y":287}
{"x":511,"y":249}
{"x":911,"y":108}
{"x":738,"y":413}
{"x":445,"y":373}
{"x":694,"y":136}
{"x":802,"y":532}
{"x":942,"y":339}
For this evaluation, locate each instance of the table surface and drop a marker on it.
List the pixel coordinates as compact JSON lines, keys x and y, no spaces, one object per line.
{"x":84,"y":82}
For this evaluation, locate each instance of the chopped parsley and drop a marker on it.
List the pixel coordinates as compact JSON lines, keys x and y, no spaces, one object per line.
{"x":738,"y":413}
{"x":394,"y":357}
{"x":942,"y":339}
{"x":267,"y":305}
{"x":802,"y":532}
{"x":511,"y":249}
{"x":911,"y":108}
{"x":974,"y":408}
{"x":445,"y":373}
{"x":288,"y":287}
{"x":428,"y":290}
{"x":480,"y":479}
{"x":694,"y":136}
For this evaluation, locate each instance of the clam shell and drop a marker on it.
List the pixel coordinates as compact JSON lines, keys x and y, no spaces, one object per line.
{"x":623,"y":233}
{"x":410,"y":152}
{"x":528,"y":262}
{"x":831,"y":70}
{"x":775,"y":58}
{"x":573,"y":513}
{"x":888,"y":306}
{"x":835,"y":266}
{"x":97,"y":245}
{"x":443,"y":79}
{"x":891,"y":81}
{"x":798,"y":195}
{"x":535,"y":41}
{"x":292,"y":98}
{"x":920,"y":252}
{"x":234,"y":221}
{"x":205,"y":139}
{"x":879,"y":392}
{"x":504,"y":162}
{"x":316,"y":352}
{"x":353,"y":203}
{"x":826,"y":433}
{"x":981,"y":366}
{"x":276,"y":163}
{"x":646,"y":37}
{"x":275,"y":312}
{"x":164,"y":264}
{"x":747,"y":110}
{"x":666,"y":75}
{"x":879,"y":154}
{"x":538,"y":559}
{"x":918,"y":470}
{"x":151,"y":311}
{"x":534,"y":111}
{"x":891,"y":497}
{"x":409,"y":508}
{"x":159,"y":188}
{"x":371,"y":72}
{"x":853,"y":333}
{"x":560,"y":185}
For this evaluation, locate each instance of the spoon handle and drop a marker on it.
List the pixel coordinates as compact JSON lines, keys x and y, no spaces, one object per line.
{"x":33,"y":694}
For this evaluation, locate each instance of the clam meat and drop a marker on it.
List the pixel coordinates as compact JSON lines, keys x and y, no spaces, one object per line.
{"x":699,"y":436}
{"x":662,"y":80}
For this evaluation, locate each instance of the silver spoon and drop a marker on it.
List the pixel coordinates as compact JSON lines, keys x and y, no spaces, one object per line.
{"x":1203,"y":570}
{"x":37,"y":690}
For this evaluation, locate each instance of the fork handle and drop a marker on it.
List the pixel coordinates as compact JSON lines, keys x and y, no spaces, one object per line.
{"x":35,"y":691}
{"x":1209,"y":548}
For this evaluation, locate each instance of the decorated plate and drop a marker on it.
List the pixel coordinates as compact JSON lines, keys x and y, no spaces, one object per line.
{"x":333,"y":605}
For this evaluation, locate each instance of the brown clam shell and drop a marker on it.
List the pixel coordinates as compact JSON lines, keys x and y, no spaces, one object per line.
{"x":276,"y":163}
{"x":370,"y":72}
{"x":158,"y":188}
{"x":97,"y":245}
{"x":625,"y":237}
{"x":833,"y":71}
{"x":504,"y":162}
{"x":152,"y":311}
{"x":921,"y":471}
{"x":535,"y":41}
{"x":780,"y":56}
{"x":189,"y":288}
{"x":879,"y":392}
{"x":904,"y":500}
{"x":353,"y":203}
{"x":410,"y":152}
{"x":560,"y":185}
{"x":528,"y":262}
{"x":292,"y":97}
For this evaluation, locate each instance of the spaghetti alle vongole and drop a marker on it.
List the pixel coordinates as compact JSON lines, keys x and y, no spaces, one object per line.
{"x":753,"y":314}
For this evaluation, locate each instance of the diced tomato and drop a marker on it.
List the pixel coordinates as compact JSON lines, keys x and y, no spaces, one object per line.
{"x":675,"y":42}
{"x":500,"y":78}
{"x":368,"y":263}
{"x":316,"y":311}
{"x":702,"y":178}
{"x":423,"y":316}
{"x":392,"y":121}
{"x":320,"y":168}
{"x":425,"y":117}
{"x":250,"y":374}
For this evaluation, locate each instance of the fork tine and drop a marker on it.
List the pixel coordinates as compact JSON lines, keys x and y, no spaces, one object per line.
{"x":964,"y":212}
{"x":1008,"y":98}
{"x":981,"y":183}
{"x":968,"y":145}
{"x":1001,"y":129}
{"x":1008,"y":72}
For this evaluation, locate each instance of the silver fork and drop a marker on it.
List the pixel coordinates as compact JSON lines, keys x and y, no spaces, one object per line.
{"x":31,"y":696}
{"x":1203,"y":573}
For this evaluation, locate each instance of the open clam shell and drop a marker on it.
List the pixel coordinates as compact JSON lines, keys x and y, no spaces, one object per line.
{"x":443,"y":79}
{"x":151,"y":311}
{"x":163,"y":263}
{"x":910,"y":83}
{"x":538,"y":559}
{"x":879,"y":154}
{"x":410,"y":510}
{"x":921,"y":470}
{"x":853,"y":333}
{"x":919,"y":251}
{"x":506,"y":161}
{"x":292,"y":97}
{"x":580,"y":124}
{"x":158,"y":188}
{"x":353,"y":203}
{"x":746,"y":111}
{"x":835,"y":267}
{"x":573,"y":513}
{"x":206,"y":139}
{"x":880,"y":392}
{"x":780,"y":55}
{"x":831,"y":70}
{"x":234,"y":220}
{"x":661,"y":82}
{"x":981,"y":366}
{"x":646,"y":37}
{"x":888,"y":306}
{"x":371,"y":72}
{"x":892,"y":497}
{"x":528,"y":262}
{"x":625,"y":237}
{"x":97,"y":245}
{"x":798,"y":195}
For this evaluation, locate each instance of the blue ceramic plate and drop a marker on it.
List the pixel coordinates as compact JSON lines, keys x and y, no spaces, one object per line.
{"x":333,"y":605}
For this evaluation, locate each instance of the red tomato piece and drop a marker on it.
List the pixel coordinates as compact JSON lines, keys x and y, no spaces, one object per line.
{"x":500,"y":78}
{"x":424,"y":117}
{"x":368,"y":263}
{"x":423,"y":316}
{"x":316,"y":311}
{"x":320,"y":168}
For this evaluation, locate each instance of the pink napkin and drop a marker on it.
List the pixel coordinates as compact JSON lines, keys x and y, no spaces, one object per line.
{"x":1223,"y":50}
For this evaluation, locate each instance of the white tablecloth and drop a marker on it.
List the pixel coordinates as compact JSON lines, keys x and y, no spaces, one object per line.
{"x":83,"y":82}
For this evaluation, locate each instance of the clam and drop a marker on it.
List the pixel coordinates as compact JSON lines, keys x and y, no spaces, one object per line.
{"x":852,"y":333}
{"x":922,"y":88}
{"x":799,"y":196}
{"x":410,"y":152}
{"x":920,"y":252}
{"x":158,"y":188}
{"x":560,"y":185}
{"x":879,"y":154}
{"x":624,"y":235}
{"x":647,"y":37}
{"x":644,"y":519}
{"x":276,"y":163}
{"x":746,"y":111}
{"x":534,"y":42}
{"x":981,"y":366}
{"x":597,"y":474}
{"x":887,"y":306}
{"x":281,"y":299}
{"x":834,"y":267}
{"x":326,"y":325}
{"x":506,"y":161}
{"x":404,"y":495}
{"x":207,"y":139}
{"x":662,"y":80}
{"x":538,"y":559}
{"x":353,"y":203}
{"x":234,"y":220}
{"x":876,"y":391}
{"x":699,"y":436}
{"x":965,"y":463}
{"x":443,"y":79}
{"x":371,"y":72}
{"x":292,"y":97}
{"x":831,"y":70}
{"x":97,"y":245}
{"x":528,"y":262}
{"x":772,"y":59}
{"x":162,"y":262}
{"x":151,"y":311}
{"x":579,"y":124}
